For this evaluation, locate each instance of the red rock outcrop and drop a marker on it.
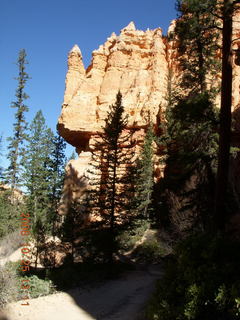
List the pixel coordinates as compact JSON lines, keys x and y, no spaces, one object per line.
{"x":134,"y":63}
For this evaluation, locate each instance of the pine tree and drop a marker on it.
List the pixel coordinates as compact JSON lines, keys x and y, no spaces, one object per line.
{"x":13,"y":172}
{"x":38,"y":172}
{"x":1,"y":168}
{"x":44,"y":163}
{"x":191,"y":140}
{"x":57,"y":174}
{"x":111,"y":187}
{"x":144,"y":177}
{"x":198,"y":32}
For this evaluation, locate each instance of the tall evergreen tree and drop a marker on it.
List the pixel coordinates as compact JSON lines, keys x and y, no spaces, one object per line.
{"x":38,"y":171}
{"x":1,"y":168}
{"x":191,"y":138}
{"x":57,"y":174}
{"x":144,"y":176}
{"x":15,"y":153}
{"x":110,"y":184}
{"x":198,"y":32}
{"x":44,"y":162}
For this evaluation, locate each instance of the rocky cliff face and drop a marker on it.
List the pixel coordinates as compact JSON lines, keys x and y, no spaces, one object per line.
{"x":135,"y":62}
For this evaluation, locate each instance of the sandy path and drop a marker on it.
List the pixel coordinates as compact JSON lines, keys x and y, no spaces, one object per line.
{"x":120,"y":299}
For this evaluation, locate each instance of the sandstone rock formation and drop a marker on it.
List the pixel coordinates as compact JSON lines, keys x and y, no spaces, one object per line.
{"x":135,"y":62}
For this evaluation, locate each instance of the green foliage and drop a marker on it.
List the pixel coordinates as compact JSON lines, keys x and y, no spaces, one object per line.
{"x":201,"y":281}
{"x":13,"y":172}
{"x":98,"y":246}
{"x":144,"y":177}
{"x":9,"y":219}
{"x":39,"y":287}
{"x":56,"y":175}
{"x":8,"y":285}
{"x":198,"y":34}
{"x":191,"y":143}
{"x":37,"y":173}
{"x":128,"y":238}
{"x":151,"y":251}
{"x":111,"y":185}
{"x":44,"y":162}
{"x":1,"y":168}
{"x":190,"y":131}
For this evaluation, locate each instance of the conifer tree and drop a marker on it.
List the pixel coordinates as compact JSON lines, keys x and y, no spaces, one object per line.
{"x":1,"y":168}
{"x":15,"y":153}
{"x":57,"y":174}
{"x":44,"y":163}
{"x":198,"y":32}
{"x":38,"y":172}
{"x":191,"y":141}
{"x":111,"y":187}
{"x":144,"y":177}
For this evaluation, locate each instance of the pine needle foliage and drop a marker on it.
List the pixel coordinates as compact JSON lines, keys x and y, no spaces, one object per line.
{"x":13,"y":172}
{"x":191,"y":141}
{"x":198,"y":33}
{"x":111,"y":187}
{"x":144,"y":177}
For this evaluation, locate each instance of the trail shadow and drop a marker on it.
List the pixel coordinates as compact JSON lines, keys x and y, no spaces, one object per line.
{"x":120,"y":296}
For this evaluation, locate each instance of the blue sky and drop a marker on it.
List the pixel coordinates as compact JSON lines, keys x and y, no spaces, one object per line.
{"x":47,"y":30}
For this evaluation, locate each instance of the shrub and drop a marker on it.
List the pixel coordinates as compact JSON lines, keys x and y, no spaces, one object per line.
{"x":150,"y":251}
{"x":39,"y":287}
{"x":129,"y":238}
{"x":201,"y":282}
{"x":9,"y":214}
{"x":8,"y":285}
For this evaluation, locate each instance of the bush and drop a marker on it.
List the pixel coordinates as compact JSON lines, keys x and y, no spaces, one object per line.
{"x":39,"y":287}
{"x":201,"y":282}
{"x":150,"y":251}
{"x":8,"y":285}
{"x":9,"y":214}
{"x":129,"y":238}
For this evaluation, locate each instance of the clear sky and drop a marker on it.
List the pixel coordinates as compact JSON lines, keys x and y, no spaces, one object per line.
{"x":47,"y":30}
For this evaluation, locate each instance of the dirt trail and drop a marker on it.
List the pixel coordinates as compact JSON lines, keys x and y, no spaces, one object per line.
{"x":120,"y":299}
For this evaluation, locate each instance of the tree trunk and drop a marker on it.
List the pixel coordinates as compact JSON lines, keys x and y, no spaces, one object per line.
{"x":112,"y":214}
{"x":225,"y":118}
